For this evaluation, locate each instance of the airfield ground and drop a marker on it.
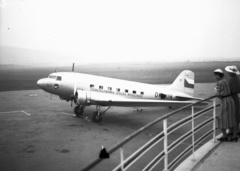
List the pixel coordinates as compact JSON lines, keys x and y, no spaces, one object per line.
{"x":38,"y":133}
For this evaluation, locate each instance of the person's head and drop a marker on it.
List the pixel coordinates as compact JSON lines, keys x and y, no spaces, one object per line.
{"x":218,"y":73}
{"x":232,"y":70}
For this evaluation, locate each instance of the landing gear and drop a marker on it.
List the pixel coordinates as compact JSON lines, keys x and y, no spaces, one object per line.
{"x":138,"y":109}
{"x":98,"y":115}
{"x":78,"y":110}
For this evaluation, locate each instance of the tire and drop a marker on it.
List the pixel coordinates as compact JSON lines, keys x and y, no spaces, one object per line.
{"x":78,"y":110}
{"x":96,"y":118}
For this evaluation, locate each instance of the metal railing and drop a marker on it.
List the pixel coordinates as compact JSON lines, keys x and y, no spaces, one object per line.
{"x":126,"y":163}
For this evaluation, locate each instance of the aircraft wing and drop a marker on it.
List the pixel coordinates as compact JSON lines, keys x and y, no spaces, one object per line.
{"x":127,"y":102}
{"x":140,"y":102}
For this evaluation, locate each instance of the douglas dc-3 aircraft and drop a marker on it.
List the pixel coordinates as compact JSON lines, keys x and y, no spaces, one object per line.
{"x":85,"y":90}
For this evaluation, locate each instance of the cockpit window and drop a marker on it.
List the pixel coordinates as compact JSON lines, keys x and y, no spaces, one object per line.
{"x":55,"y":77}
{"x":59,"y":78}
{"x":52,"y":76}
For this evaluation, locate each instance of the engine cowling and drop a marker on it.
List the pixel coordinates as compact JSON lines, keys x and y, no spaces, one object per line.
{"x":83,"y":97}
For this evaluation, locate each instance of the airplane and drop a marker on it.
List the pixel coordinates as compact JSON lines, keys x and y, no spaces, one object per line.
{"x":85,"y":90}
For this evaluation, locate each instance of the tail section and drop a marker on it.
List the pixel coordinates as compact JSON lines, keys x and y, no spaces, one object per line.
{"x":184,"y":82}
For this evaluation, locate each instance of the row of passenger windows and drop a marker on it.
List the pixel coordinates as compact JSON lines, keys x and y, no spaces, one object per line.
{"x":118,"y":89}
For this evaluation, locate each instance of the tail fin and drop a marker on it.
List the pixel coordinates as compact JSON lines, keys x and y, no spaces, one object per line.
{"x":184,"y":82}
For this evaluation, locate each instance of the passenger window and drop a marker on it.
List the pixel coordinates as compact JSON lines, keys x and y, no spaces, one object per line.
{"x":134,"y":91}
{"x":91,"y":86}
{"x":118,"y":89}
{"x":100,"y":87}
{"x":142,"y":93}
{"x":126,"y":91}
{"x":109,"y":88}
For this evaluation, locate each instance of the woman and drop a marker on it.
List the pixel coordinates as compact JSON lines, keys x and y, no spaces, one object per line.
{"x":226,"y":119}
{"x":234,"y":84}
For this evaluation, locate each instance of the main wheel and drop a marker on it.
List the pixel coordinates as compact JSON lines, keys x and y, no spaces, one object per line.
{"x":78,"y":110}
{"x":97,"y":117}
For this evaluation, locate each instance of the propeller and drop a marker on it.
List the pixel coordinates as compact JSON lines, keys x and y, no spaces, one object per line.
{"x":74,"y":92}
{"x":73,"y":67}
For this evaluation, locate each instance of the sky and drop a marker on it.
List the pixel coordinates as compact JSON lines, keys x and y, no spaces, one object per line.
{"x":124,"y":31}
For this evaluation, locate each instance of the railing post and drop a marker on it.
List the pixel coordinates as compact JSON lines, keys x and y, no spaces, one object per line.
{"x":165,"y":145}
{"x":193,"y":133}
{"x":122,"y":159}
{"x":214,"y":120}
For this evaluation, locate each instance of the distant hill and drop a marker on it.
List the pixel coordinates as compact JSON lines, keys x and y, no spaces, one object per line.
{"x":22,"y":56}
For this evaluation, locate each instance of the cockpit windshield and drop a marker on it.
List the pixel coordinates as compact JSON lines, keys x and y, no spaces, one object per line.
{"x":54,"y":77}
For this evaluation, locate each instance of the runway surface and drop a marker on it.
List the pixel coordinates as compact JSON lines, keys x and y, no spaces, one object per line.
{"x":40,"y":133}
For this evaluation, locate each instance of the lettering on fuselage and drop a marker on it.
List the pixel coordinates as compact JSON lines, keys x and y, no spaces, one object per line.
{"x":163,"y":96}
{"x":116,"y":93}
{"x":102,"y":91}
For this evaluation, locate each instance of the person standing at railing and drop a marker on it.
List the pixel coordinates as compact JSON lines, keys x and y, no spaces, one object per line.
{"x":234,"y":84}
{"x":226,"y":118}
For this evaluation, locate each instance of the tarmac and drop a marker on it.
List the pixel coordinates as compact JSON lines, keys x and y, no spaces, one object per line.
{"x":39,"y":132}
{"x":214,"y":156}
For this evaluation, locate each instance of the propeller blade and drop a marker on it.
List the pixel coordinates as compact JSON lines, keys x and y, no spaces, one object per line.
{"x":73,"y":96}
{"x":73,"y":67}
{"x":75,"y":89}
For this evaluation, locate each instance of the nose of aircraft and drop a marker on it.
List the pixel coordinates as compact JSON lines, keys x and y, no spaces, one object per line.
{"x":40,"y":83}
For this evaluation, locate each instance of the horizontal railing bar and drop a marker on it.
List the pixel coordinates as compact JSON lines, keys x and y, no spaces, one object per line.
{"x":128,"y":138}
{"x":179,"y":157}
{"x":155,"y":161}
{"x":179,"y":140}
{"x":198,"y":127}
{"x":202,"y":112}
{"x":184,"y":137}
{"x":185,"y":120}
{"x":197,"y":142}
{"x":203,"y":137}
{"x":134,"y":134}
{"x":150,"y":144}
{"x":178,"y":124}
{"x":144,"y":153}
{"x":141,"y":151}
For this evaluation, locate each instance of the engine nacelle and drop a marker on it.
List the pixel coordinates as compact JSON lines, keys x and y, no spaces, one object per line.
{"x":83,"y":97}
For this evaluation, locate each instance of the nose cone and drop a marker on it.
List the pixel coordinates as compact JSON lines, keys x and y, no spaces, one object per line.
{"x":41,"y":83}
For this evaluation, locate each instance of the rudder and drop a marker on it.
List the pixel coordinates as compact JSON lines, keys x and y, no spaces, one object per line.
{"x":184,"y":82}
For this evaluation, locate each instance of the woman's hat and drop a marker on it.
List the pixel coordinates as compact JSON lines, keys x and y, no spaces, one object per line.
{"x":218,"y":71}
{"x":232,"y":69}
